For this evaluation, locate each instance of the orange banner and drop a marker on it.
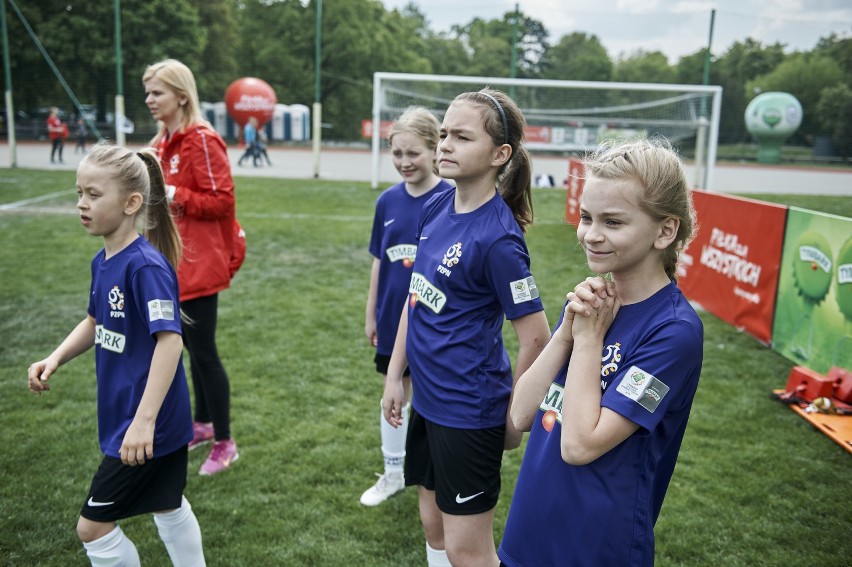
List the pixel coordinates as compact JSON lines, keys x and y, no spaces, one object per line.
{"x":732,"y":266}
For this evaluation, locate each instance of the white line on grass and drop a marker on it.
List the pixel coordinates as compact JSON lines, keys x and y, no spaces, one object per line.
{"x":25,"y":202}
{"x":21,"y":207}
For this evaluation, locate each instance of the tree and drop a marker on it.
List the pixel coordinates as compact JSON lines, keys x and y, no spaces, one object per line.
{"x":218,"y":66}
{"x":834,"y":113}
{"x":79,"y":39}
{"x":742,"y":62}
{"x":577,"y":57}
{"x":644,"y":67}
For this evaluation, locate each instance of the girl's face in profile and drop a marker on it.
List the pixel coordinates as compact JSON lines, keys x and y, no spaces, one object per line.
{"x":412,"y":158}
{"x":100,"y":201}
{"x":466,"y":151}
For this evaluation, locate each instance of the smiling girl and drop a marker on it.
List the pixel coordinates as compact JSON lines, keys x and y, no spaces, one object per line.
{"x":414,"y":140}
{"x":608,"y":400}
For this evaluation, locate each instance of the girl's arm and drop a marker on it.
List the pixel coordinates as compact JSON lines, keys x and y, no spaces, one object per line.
{"x":393,"y":399}
{"x":589,"y":430}
{"x":533,"y":335}
{"x":372,"y":299}
{"x":138,"y":443}
{"x":531,"y":388}
{"x":77,"y":342}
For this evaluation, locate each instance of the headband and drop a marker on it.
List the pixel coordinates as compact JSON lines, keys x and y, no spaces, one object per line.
{"x":502,"y":116}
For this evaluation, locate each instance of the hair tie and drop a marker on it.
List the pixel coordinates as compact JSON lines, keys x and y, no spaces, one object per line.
{"x":502,"y":116}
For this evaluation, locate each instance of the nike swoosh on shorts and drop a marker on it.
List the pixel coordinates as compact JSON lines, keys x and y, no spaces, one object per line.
{"x":93,"y":504}
{"x":460,"y":500}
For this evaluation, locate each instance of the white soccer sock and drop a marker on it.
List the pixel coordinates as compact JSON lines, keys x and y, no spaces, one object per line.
{"x":437,"y":557}
{"x":181,"y":534}
{"x":112,"y":550}
{"x":393,"y":442}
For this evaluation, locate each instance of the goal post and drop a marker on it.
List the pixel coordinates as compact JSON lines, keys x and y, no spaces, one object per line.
{"x":569,"y":116}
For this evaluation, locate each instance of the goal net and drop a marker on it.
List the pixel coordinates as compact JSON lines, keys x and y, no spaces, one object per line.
{"x":569,"y":117}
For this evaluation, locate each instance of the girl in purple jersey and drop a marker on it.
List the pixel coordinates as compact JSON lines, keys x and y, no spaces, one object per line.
{"x":144,"y":420}
{"x":471,"y":272}
{"x":413,"y":140}
{"x":609,"y":398}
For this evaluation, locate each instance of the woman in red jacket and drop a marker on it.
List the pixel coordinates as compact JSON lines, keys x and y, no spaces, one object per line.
{"x":199,"y":185}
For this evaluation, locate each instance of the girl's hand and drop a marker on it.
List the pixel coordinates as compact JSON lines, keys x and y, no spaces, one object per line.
{"x":590,"y":291}
{"x":393,"y":400}
{"x":371,"y":332}
{"x":39,"y":373}
{"x":138,"y":443}
{"x":600,"y":315}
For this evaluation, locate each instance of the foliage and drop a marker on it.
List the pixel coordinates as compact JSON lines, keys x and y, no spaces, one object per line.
{"x":804,"y":75}
{"x":305,"y":393}
{"x":835,"y":115}
{"x":577,"y":57}
{"x":275,"y":40}
{"x":741,"y":63}
{"x":643,"y":67}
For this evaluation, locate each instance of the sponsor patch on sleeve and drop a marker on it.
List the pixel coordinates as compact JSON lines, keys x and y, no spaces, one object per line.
{"x":524,"y":290}
{"x":161,"y":309}
{"x":643,"y":388}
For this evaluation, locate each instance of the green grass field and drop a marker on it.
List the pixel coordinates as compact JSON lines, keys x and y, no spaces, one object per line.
{"x":755,"y":484}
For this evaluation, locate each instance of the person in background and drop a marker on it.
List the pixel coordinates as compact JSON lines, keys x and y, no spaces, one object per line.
{"x":56,"y":131}
{"x":250,"y":139}
{"x":413,"y":140}
{"x":472,"y":269}
{"x":201,"y":191}
{"x":133,"y":321}
{"x":261,"y":145}
{"x":80,"y":134}
{"x":609,"y":398}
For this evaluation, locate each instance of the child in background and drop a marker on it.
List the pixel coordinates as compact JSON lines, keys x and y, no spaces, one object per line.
{"x":472,"y":270}
{"x":414,"y":141}
{"x":133,"y":321}
{"x":609,"y":398}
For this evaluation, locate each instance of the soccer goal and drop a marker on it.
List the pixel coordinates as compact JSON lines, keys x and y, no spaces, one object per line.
{"x":569,"y":117}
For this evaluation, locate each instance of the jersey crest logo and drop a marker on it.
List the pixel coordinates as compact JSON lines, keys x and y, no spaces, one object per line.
{"x":610,"y":359}
{"x":454,"y":252}
{"x":115,"y":298}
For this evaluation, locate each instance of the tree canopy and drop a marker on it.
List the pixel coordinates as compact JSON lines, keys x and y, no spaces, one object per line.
{"x":222,"y":40}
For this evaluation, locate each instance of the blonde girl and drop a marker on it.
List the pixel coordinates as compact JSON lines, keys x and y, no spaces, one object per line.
{"x":133,"y":321}
{"x":608,"y":400}
{"x":413,"y":141}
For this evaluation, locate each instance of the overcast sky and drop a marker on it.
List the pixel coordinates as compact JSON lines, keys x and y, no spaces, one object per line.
{"x":675,"y":27}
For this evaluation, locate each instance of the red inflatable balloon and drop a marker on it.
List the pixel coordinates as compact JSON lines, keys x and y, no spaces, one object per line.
{"x":249,"y":97}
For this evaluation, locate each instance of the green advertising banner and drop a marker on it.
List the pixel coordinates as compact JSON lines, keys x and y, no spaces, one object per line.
{"x":813,"y":314}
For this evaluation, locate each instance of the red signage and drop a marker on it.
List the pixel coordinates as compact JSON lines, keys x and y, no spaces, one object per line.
{"x":731,"y":267}
{"x":367,"y":128}
{"x":573,"y":191}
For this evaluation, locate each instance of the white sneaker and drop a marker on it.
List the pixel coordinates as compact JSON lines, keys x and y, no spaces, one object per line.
{"x":387,"y":485}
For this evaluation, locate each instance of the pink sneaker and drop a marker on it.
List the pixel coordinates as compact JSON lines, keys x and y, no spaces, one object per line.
{"x":202,"y":433}
{"x":221,"y":456}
